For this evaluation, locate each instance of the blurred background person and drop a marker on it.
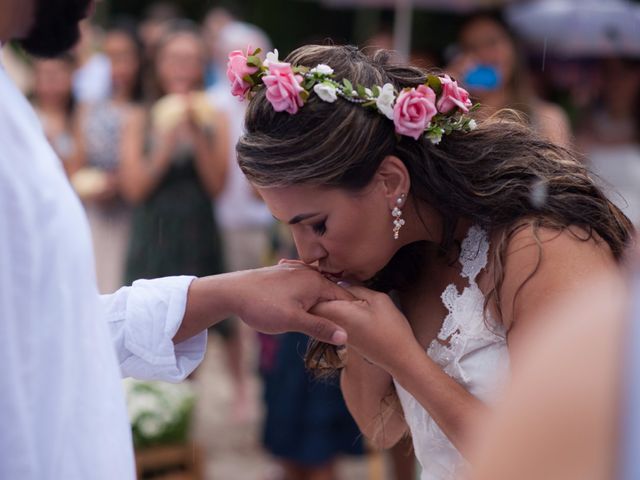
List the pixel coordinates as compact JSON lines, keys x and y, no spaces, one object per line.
{"x":307,"y":426}
{"x":55,"y":105}
{"x":153,"y":26}
{"x":571,"y":411}
{"x":92,"y":77}
{"x":156,"y":21}
{"x":243,"y":218}
{"x":99,"y":139}
{"x":213,"y":25}
{"x":489,"y":63}
{"x":175,"y":163}
{"x":609,"y":132}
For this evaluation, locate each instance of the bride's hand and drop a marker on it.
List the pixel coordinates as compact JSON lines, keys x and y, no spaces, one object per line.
{"x":375,"y":327}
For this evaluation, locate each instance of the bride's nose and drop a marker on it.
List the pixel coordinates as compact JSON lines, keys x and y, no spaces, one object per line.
{"x":309,"y":250}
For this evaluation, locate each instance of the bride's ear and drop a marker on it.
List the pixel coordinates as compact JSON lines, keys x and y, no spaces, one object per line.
{"x":394,"y":178}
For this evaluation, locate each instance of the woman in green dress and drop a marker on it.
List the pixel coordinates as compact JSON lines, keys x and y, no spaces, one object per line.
{"x":173,"y":167}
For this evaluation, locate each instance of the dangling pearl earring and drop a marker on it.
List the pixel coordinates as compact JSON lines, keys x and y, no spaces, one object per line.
{"x":396,"y":213}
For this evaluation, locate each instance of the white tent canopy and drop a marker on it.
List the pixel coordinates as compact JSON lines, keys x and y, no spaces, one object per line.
{"x":579,"y":27}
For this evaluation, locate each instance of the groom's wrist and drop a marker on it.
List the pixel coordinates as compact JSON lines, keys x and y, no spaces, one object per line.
{"x":209,"y":301}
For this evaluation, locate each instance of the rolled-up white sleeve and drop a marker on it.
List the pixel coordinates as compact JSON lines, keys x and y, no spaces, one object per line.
{"x":143,"y":320}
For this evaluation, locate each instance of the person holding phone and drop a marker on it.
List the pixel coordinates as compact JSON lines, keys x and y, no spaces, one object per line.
{"x":490,"y":65}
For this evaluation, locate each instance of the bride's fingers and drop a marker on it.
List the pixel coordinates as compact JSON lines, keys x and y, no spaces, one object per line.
{"x":318,"y":327}
{"x":288,"y":261}
{"x":334,"y":292}
{"x":342,"y":313}
{"x":361,"y":293}
{"x":296,"y":264}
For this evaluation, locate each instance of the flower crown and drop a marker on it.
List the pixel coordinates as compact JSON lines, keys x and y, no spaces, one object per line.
{"x":436,"y":108}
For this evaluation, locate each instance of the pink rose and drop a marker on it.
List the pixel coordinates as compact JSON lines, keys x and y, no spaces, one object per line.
{"x":452,"y":96}
{"x":237,"y":71}
{"x":283,"y":88}
{"x":413,"y":111}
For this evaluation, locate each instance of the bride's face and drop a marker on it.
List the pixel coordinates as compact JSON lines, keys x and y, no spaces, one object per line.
{"x":349,"y":235}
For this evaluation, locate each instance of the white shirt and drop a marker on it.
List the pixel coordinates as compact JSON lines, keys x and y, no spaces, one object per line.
{"x":63,"y":348}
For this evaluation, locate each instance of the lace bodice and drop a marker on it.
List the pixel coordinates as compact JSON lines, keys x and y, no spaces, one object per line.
{"x":471,"y":348}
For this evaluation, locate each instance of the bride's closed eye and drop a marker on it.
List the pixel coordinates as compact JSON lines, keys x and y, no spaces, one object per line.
{"x":320,"y":228}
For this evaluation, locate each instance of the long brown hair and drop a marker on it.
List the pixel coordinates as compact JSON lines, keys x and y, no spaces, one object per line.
{"x":498,"y":176}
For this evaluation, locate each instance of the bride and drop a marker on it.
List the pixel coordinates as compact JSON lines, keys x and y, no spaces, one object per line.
{"x":387,"y":182}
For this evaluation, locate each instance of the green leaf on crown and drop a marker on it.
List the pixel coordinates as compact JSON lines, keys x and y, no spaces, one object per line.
{"x":348,"y":87}
{"x":361,"y":91}
{"x":434,"y":82}
{"x":254,"y":61}
{"x":376,"y":91}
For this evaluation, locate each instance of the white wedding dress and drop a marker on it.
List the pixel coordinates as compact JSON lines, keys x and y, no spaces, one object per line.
{"x":471,"y":348}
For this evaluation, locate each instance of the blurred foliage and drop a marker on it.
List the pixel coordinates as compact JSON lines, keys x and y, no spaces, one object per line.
{"x":160,"y":412}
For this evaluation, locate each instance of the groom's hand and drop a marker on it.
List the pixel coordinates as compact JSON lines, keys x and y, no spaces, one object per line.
{"x":278,"y":299}
{"x":271,"y":300}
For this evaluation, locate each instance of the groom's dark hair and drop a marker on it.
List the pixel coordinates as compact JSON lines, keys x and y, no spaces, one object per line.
{"x":55,"y":29}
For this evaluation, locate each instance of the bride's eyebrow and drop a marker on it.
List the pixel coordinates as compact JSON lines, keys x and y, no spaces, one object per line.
{"x":298,"y":218}
{"x":301,"y":217}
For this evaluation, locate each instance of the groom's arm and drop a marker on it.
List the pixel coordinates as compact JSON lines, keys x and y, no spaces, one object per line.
{"x":271,"y":300}
{"x":158,"y":327}
{"x":143,"y":319}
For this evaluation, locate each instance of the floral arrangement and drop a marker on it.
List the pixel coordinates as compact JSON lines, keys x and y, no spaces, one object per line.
{"x":433,"y":109}
{"x":160,"y":413}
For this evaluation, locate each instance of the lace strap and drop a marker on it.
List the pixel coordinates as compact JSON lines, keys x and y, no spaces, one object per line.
{"x":474,"y":252}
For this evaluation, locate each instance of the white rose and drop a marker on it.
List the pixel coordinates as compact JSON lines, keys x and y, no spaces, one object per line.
{"x":322,"y":69}
{"x":368,"y":92}
{"x":326,"y":92}
{"x":272,"y":57}
{"x":385,"y":100}
{"x":472,"y":125}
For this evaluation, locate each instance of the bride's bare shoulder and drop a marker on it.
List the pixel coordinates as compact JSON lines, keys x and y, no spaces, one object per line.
{"x":542,"y":264}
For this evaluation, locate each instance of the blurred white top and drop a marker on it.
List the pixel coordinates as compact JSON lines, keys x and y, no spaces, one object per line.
{"x":63,"y":348}
{"x":92,"y":81}
{"x":471,"y":348}
{"x":237,"y":206}
{"x":618,"y":172}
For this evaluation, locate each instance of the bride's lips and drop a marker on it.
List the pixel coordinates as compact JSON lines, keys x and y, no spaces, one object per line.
{"x":333,"y":276}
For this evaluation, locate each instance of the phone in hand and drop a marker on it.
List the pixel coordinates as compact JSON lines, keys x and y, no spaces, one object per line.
{"x":482,"y":78}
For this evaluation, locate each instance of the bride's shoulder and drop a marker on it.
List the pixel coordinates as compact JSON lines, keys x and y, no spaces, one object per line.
{"x":530,"y":240}
{"x":542,"y":263}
